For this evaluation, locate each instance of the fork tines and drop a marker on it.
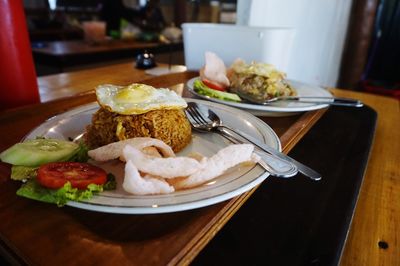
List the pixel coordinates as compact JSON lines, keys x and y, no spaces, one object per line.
{"x":194,"y":116}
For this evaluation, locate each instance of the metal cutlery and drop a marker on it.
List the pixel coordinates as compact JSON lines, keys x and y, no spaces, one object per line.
{"x":274,"y":165}
{"x":206,"y":120}
{"x":304,"y":99}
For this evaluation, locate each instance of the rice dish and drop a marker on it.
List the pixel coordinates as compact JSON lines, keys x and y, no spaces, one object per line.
{"x":138,"y":110}
{"x":258,"y":81}
{"x":170,"y":126}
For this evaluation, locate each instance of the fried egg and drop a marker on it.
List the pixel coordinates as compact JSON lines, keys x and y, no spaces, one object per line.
{"x":137,"y":99}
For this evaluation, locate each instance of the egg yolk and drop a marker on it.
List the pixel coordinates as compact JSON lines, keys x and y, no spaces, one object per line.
{"x":132,"y":95}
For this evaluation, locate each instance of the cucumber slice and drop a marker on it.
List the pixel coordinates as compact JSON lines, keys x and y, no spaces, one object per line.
{"x":36,"y":152}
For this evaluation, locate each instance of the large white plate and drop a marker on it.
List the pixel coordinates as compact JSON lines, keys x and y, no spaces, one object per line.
{"x":278,"y":108}
{"x":71,"y":125}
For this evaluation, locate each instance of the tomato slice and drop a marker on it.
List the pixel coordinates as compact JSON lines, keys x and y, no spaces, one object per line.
{"x":80,"y":175}
{"x":212,"y":85}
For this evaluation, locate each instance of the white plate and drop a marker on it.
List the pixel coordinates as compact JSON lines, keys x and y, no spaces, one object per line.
{"x":279,"y":108}
{"x":71,"y":125}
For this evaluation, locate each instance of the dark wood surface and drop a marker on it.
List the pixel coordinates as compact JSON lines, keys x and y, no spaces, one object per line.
{"x":59,"y":234}
{"x":302,"y":223}
{"x":63,"y":54}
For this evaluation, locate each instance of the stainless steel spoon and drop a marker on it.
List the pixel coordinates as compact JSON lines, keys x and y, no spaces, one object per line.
{"x":207,"y":120}
{"x":304,"y":99}
{"x":274,"y":165}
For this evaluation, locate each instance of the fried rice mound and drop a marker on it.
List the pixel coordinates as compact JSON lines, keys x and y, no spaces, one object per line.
{"x":170,"y":126}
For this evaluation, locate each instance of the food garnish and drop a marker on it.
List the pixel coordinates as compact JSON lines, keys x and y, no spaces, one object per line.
{"x":60,"y":183}
{"x":147,"y":173}
{"x":212,"y":85}
{"x":114,"y":150}
{"x":33,"y":190}
{"x":202,"y":89}
{"x":22,"y":173}
{"x":35,"y":152}
{"x":80,"y":175}
{"x":214,"y":72}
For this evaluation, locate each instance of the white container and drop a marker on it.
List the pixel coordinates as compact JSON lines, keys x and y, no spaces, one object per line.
{"x":262,"y":44}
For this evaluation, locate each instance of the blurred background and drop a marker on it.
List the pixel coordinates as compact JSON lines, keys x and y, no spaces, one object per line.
{"x":348,"y":44}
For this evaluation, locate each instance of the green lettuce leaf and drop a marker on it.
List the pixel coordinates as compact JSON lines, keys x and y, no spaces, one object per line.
{"x":81,"y":155}
{"x":111,"y":183}
{"x":21,"y":173}
{"x":202,"y":89}
{"x":32,"y":190}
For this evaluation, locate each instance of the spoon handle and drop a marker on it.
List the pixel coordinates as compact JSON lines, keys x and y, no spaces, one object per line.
{"x":305,"y":170}
{"x":273,"y":164}
{"x":322,"y":100}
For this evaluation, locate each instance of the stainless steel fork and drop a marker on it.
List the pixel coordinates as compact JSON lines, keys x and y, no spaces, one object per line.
{"x":274,"y":165}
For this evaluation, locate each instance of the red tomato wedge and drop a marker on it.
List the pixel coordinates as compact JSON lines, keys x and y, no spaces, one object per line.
{"x":80,"y":175}
{"x":212,"y":85}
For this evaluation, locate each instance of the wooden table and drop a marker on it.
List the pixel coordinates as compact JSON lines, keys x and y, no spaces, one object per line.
{"x":64,"y":54}
{"x":66,"y":84}
{"x":178,"y":238}
{"x":374,"y":234}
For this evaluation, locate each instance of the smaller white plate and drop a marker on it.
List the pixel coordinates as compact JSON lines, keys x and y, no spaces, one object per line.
{"x":278,"y":108}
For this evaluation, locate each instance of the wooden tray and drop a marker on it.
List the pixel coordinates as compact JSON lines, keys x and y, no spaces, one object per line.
{"x":38,"y":233}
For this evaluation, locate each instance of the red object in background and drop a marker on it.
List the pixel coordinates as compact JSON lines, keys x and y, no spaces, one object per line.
{"x":18,"y":83}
